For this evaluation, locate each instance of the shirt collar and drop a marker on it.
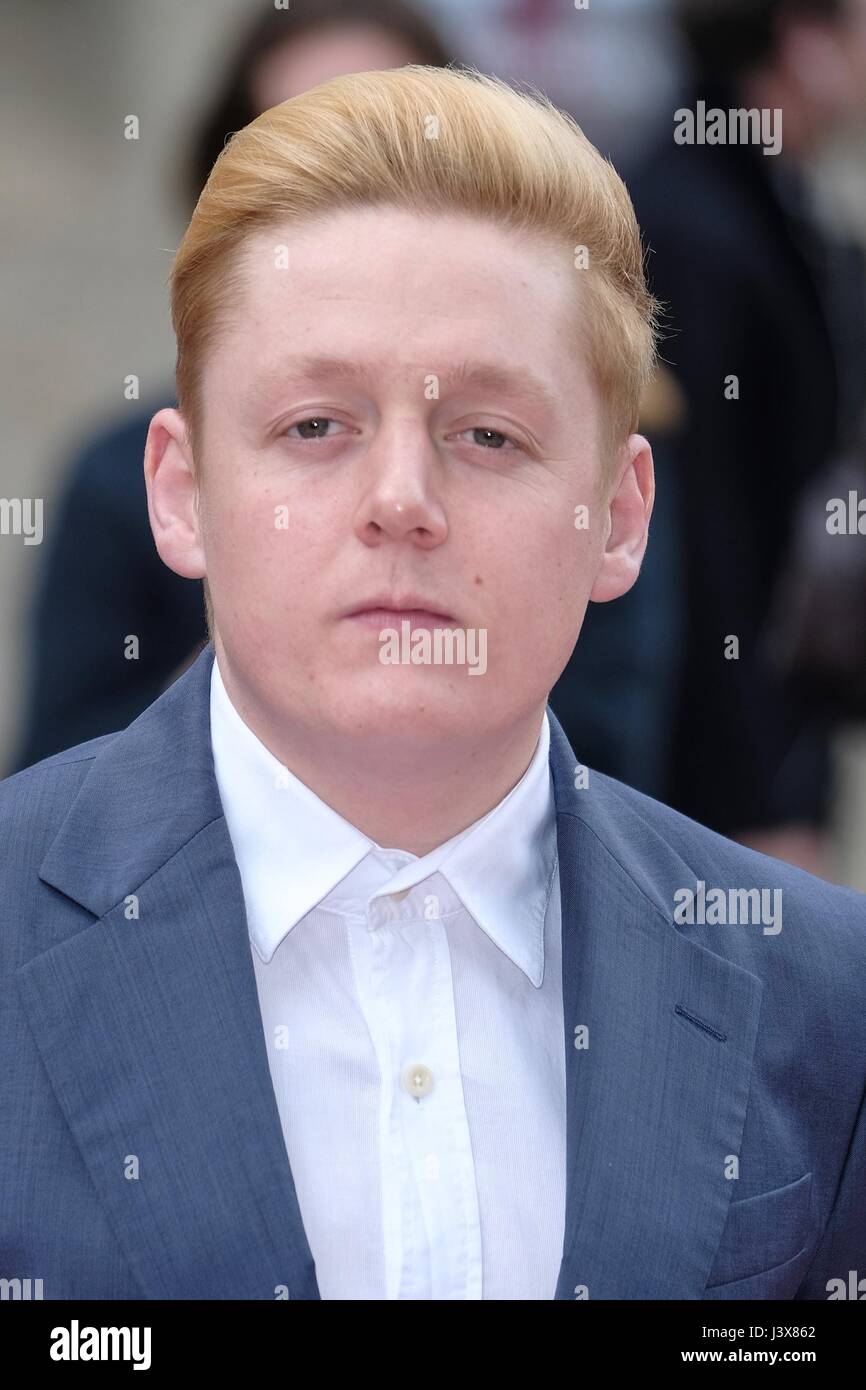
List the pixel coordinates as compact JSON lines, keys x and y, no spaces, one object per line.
{"x":293,"y":849}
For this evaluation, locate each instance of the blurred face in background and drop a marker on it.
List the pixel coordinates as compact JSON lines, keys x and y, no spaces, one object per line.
{"x":852,"y":48}
{"x":330,"y":51}
{"x":826,"y":61}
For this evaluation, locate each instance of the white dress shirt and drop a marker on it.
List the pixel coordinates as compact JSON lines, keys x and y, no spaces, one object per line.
{"x":412,"y":1010}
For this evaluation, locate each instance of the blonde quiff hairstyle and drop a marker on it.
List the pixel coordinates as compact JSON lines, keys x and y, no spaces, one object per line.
{"x":430,"y":140}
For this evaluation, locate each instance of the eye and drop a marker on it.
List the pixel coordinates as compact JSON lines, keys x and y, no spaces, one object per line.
{"x":317,"y":425}
{"x":487,"y":438}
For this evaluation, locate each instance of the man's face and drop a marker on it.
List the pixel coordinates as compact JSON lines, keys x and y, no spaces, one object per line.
{"x":394,"y":480}
{"x":825,"y":59}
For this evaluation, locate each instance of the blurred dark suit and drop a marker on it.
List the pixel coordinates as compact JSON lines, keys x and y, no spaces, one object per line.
{"x":102,"y":580}
{"x":754,"y":289}
{"x":616,"y":697}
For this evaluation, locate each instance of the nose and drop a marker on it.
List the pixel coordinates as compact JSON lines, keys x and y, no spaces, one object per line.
{"x":401,"y":489}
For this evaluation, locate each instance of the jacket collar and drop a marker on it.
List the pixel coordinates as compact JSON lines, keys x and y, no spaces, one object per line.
{"x":148,"y":1023}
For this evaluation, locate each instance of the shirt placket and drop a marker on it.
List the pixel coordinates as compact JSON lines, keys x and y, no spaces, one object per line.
{"x":431,"y":1226}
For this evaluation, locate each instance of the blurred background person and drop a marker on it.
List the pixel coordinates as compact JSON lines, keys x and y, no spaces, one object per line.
{"x":767,"y":340}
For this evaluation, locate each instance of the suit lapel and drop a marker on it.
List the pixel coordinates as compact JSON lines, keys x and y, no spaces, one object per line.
{"x":149,"y":1025}
{"x":656,"y":1098}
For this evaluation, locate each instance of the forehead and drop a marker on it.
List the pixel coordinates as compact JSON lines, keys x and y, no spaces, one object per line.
{"x":396,"y":290}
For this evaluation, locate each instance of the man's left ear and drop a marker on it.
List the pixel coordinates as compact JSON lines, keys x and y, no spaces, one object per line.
{"x":630,"y":504}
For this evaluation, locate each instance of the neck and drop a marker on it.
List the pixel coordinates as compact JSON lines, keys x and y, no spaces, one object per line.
{"x":410,"y":794}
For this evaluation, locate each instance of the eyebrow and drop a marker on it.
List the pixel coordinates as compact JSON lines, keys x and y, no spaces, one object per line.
{"x":490,"y":376}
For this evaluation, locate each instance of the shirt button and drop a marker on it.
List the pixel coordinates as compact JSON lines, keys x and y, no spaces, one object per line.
{"x":418,"y":1080}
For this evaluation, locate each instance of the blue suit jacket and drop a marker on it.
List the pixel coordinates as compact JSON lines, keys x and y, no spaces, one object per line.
{"x":130,"y":1042}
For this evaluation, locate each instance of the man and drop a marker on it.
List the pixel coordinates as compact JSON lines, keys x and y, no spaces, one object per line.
{"x":336,"y":974}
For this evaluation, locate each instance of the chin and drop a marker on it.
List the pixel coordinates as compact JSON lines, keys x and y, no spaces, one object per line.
{"x":414,"y":708}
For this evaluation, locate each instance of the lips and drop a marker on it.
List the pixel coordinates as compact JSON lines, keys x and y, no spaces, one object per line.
{"x":414,"y":608}
{"x":382,"y":619}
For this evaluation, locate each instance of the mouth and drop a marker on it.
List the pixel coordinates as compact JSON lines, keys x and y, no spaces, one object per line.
{"x":379,"y":614}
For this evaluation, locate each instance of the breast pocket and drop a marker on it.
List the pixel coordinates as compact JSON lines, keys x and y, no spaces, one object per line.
{"x":764,"y":1231}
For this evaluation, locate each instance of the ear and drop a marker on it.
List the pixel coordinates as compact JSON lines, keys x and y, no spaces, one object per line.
{"x":630,"y":507}
{"x":172,"y":495}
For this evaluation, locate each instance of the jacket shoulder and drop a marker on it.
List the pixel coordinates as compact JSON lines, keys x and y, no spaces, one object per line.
{"x":76,"y":753}
{"x":34,"y":800}
{"x":819,"y":921}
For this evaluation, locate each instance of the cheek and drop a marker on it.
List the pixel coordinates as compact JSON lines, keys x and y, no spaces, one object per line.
{"x":260,"y":539}
{"x":558,"y":579}
{"x":544,"y":568}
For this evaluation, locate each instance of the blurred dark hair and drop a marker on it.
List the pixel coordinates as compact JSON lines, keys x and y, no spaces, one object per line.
{"x":728,"y":38}
{"x":233,"y":107}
